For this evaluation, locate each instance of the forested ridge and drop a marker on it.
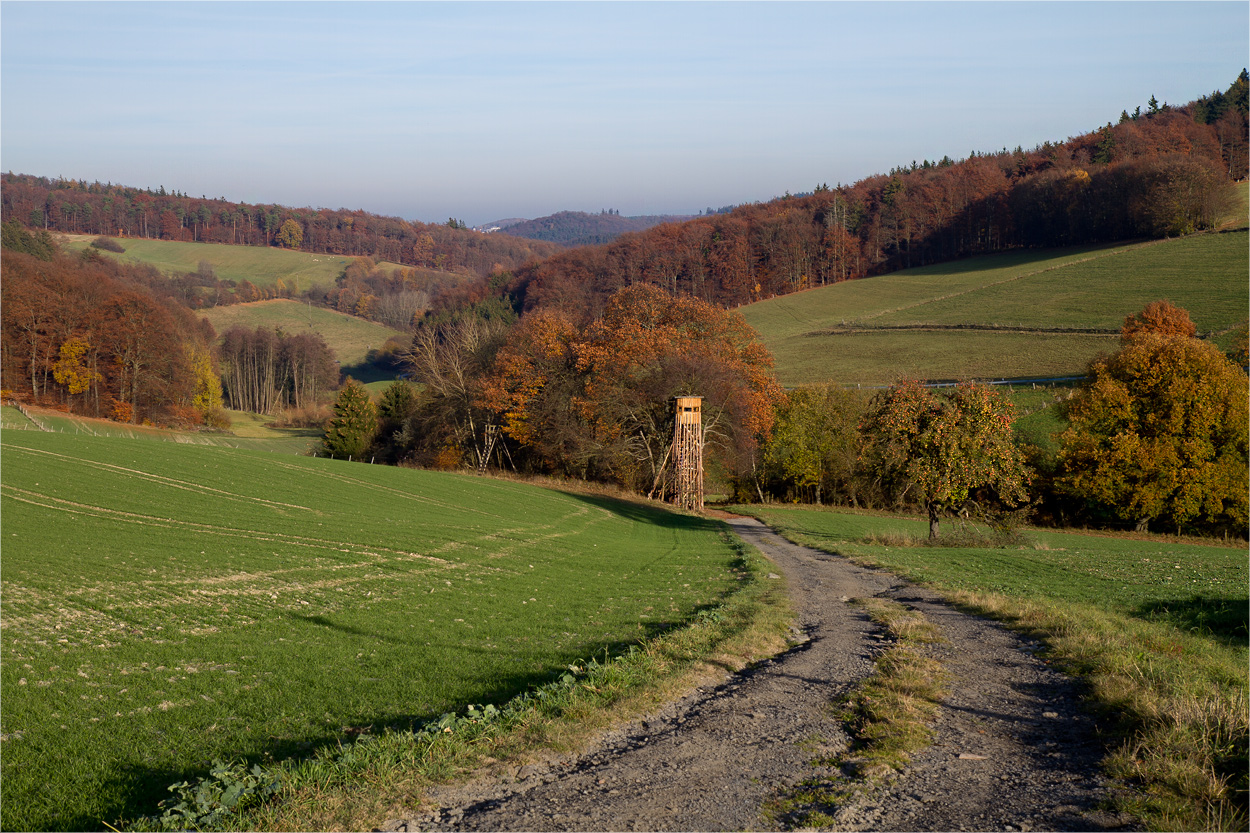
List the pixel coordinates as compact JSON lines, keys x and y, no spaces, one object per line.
{"x":80,"y":207}
{"x":579,"y":228}
{"x":1166,"y":171}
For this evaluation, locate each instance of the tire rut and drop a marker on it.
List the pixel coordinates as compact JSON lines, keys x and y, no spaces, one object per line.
{"x":1013,"y":750}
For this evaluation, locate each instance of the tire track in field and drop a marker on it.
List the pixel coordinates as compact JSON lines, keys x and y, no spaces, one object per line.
{"x":161,"y":480}
{"x":123,"y":516}
{"x":529,"y":535}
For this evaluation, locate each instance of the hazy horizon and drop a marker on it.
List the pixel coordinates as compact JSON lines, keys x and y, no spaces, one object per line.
{"x":483,"y":111}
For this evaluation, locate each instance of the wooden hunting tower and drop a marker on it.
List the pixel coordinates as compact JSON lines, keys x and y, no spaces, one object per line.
{"x":688,"y":452}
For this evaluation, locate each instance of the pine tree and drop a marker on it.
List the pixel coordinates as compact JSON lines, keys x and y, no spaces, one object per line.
{"x":350,"y":431}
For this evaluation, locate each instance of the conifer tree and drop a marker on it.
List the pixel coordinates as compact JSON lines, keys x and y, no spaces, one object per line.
{"x":350,"y":431}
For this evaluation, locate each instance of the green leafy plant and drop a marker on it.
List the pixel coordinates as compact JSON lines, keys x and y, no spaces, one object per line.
{"x":206,"y":802}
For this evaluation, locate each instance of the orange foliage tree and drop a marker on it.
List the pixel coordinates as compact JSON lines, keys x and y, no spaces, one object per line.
{"x":599,"y":401}
{"x":1159,"y":435}
{"x":1159,"y":317}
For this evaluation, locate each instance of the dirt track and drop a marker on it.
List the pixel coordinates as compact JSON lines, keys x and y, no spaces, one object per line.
{"x":1013,"y":751}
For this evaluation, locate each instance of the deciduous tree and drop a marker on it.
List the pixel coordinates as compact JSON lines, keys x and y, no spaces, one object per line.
{"x":815,"y":444}
{"x":1159,"y":436}
{"x":940,"y":448}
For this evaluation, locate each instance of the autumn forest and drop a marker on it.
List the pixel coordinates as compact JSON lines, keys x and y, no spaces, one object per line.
{"x":561,"y":360}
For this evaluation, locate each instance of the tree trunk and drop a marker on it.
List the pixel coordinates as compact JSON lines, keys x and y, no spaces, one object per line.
{"x":933,"y":521}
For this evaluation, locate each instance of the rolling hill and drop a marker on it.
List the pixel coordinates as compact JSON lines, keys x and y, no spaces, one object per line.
{"x":1020,"y":314}
{"x":262,"y":265}
{"x":349,"y":337}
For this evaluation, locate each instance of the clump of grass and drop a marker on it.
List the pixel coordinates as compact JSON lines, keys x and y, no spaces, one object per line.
{"x":964,"y":536}
{"x":889,"y":717}
{"x":891,"y":538}
{"x":967,"y":536}
{"x":1179,"y":709}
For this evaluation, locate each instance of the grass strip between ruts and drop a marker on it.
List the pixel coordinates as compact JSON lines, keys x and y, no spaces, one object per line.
{"x":888,"y":717}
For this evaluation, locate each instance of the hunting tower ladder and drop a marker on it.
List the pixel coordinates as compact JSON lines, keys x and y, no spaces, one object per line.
{"x":688,"y":452}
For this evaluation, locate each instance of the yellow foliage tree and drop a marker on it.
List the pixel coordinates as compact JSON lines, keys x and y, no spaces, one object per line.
{"x":70,"y":370}
{"x":1159,"y":436}
{"x":208,"y":398}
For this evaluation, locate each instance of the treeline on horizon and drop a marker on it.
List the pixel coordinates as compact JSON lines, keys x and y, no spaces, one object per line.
{"x":78,"y":207}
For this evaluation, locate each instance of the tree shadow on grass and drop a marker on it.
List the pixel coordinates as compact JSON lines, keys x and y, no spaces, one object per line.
{"x":646,"y":513}
{"x":1226,"y":619}
{"x":367,"y":372}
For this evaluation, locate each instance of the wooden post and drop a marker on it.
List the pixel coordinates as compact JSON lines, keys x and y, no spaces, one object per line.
{"x":688,"y":452}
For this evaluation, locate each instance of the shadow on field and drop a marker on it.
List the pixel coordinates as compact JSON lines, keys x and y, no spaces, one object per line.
{"x":1224,"y":618}
{"x":642,"y":513}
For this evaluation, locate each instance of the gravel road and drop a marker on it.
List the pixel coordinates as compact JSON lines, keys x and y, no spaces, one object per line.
{"x":1013,"y":750}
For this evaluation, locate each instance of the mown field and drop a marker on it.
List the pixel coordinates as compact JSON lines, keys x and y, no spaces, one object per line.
{"x":1158,"y":629}
{"x":349,"y":337}
{"x":845,"y":333}
{"x":167,"y":604}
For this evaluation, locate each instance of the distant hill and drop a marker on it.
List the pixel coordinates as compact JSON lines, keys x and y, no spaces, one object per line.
{"x":578,"y":228}
{"x":73,"y":206}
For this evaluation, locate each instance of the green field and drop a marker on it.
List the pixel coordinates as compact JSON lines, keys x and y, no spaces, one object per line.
{"x":839,"y":333}
{"x":248,"y":431}
{"x":349,"y":337}
{"x":167,"y":604}
{"x":261,"y":265}
{"x":1155,"y":580}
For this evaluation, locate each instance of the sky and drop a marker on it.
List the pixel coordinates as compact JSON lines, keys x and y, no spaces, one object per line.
{"x":490,"y":110}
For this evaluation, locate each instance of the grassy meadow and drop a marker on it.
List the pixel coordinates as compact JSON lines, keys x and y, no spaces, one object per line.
{"x":1157,"y":627}
{"x":839,"y":333}
{"x":167,"y":604}
{"x":262,"y":265}
{"x":349,"y":337}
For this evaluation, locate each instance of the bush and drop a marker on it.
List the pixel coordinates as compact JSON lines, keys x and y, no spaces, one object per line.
{"x":108,"y":244}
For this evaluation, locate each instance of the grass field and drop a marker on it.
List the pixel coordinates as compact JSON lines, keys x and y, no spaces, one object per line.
{"x":349,"y":337}
{"x":835,"y":333}
{"x":167,"y":604}
{"x":1157,"y":627}
{"x":262,"y":265}
{"x":248,"y":431}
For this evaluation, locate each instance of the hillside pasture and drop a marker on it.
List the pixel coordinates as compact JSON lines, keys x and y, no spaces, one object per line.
{"x":165,"y":605}
{"x":349,"y":337}
{"x":262,"y":265}
{"x":1014,"y":306}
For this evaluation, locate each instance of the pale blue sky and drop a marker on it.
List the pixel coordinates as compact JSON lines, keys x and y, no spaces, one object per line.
{"x":483,"y":110}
